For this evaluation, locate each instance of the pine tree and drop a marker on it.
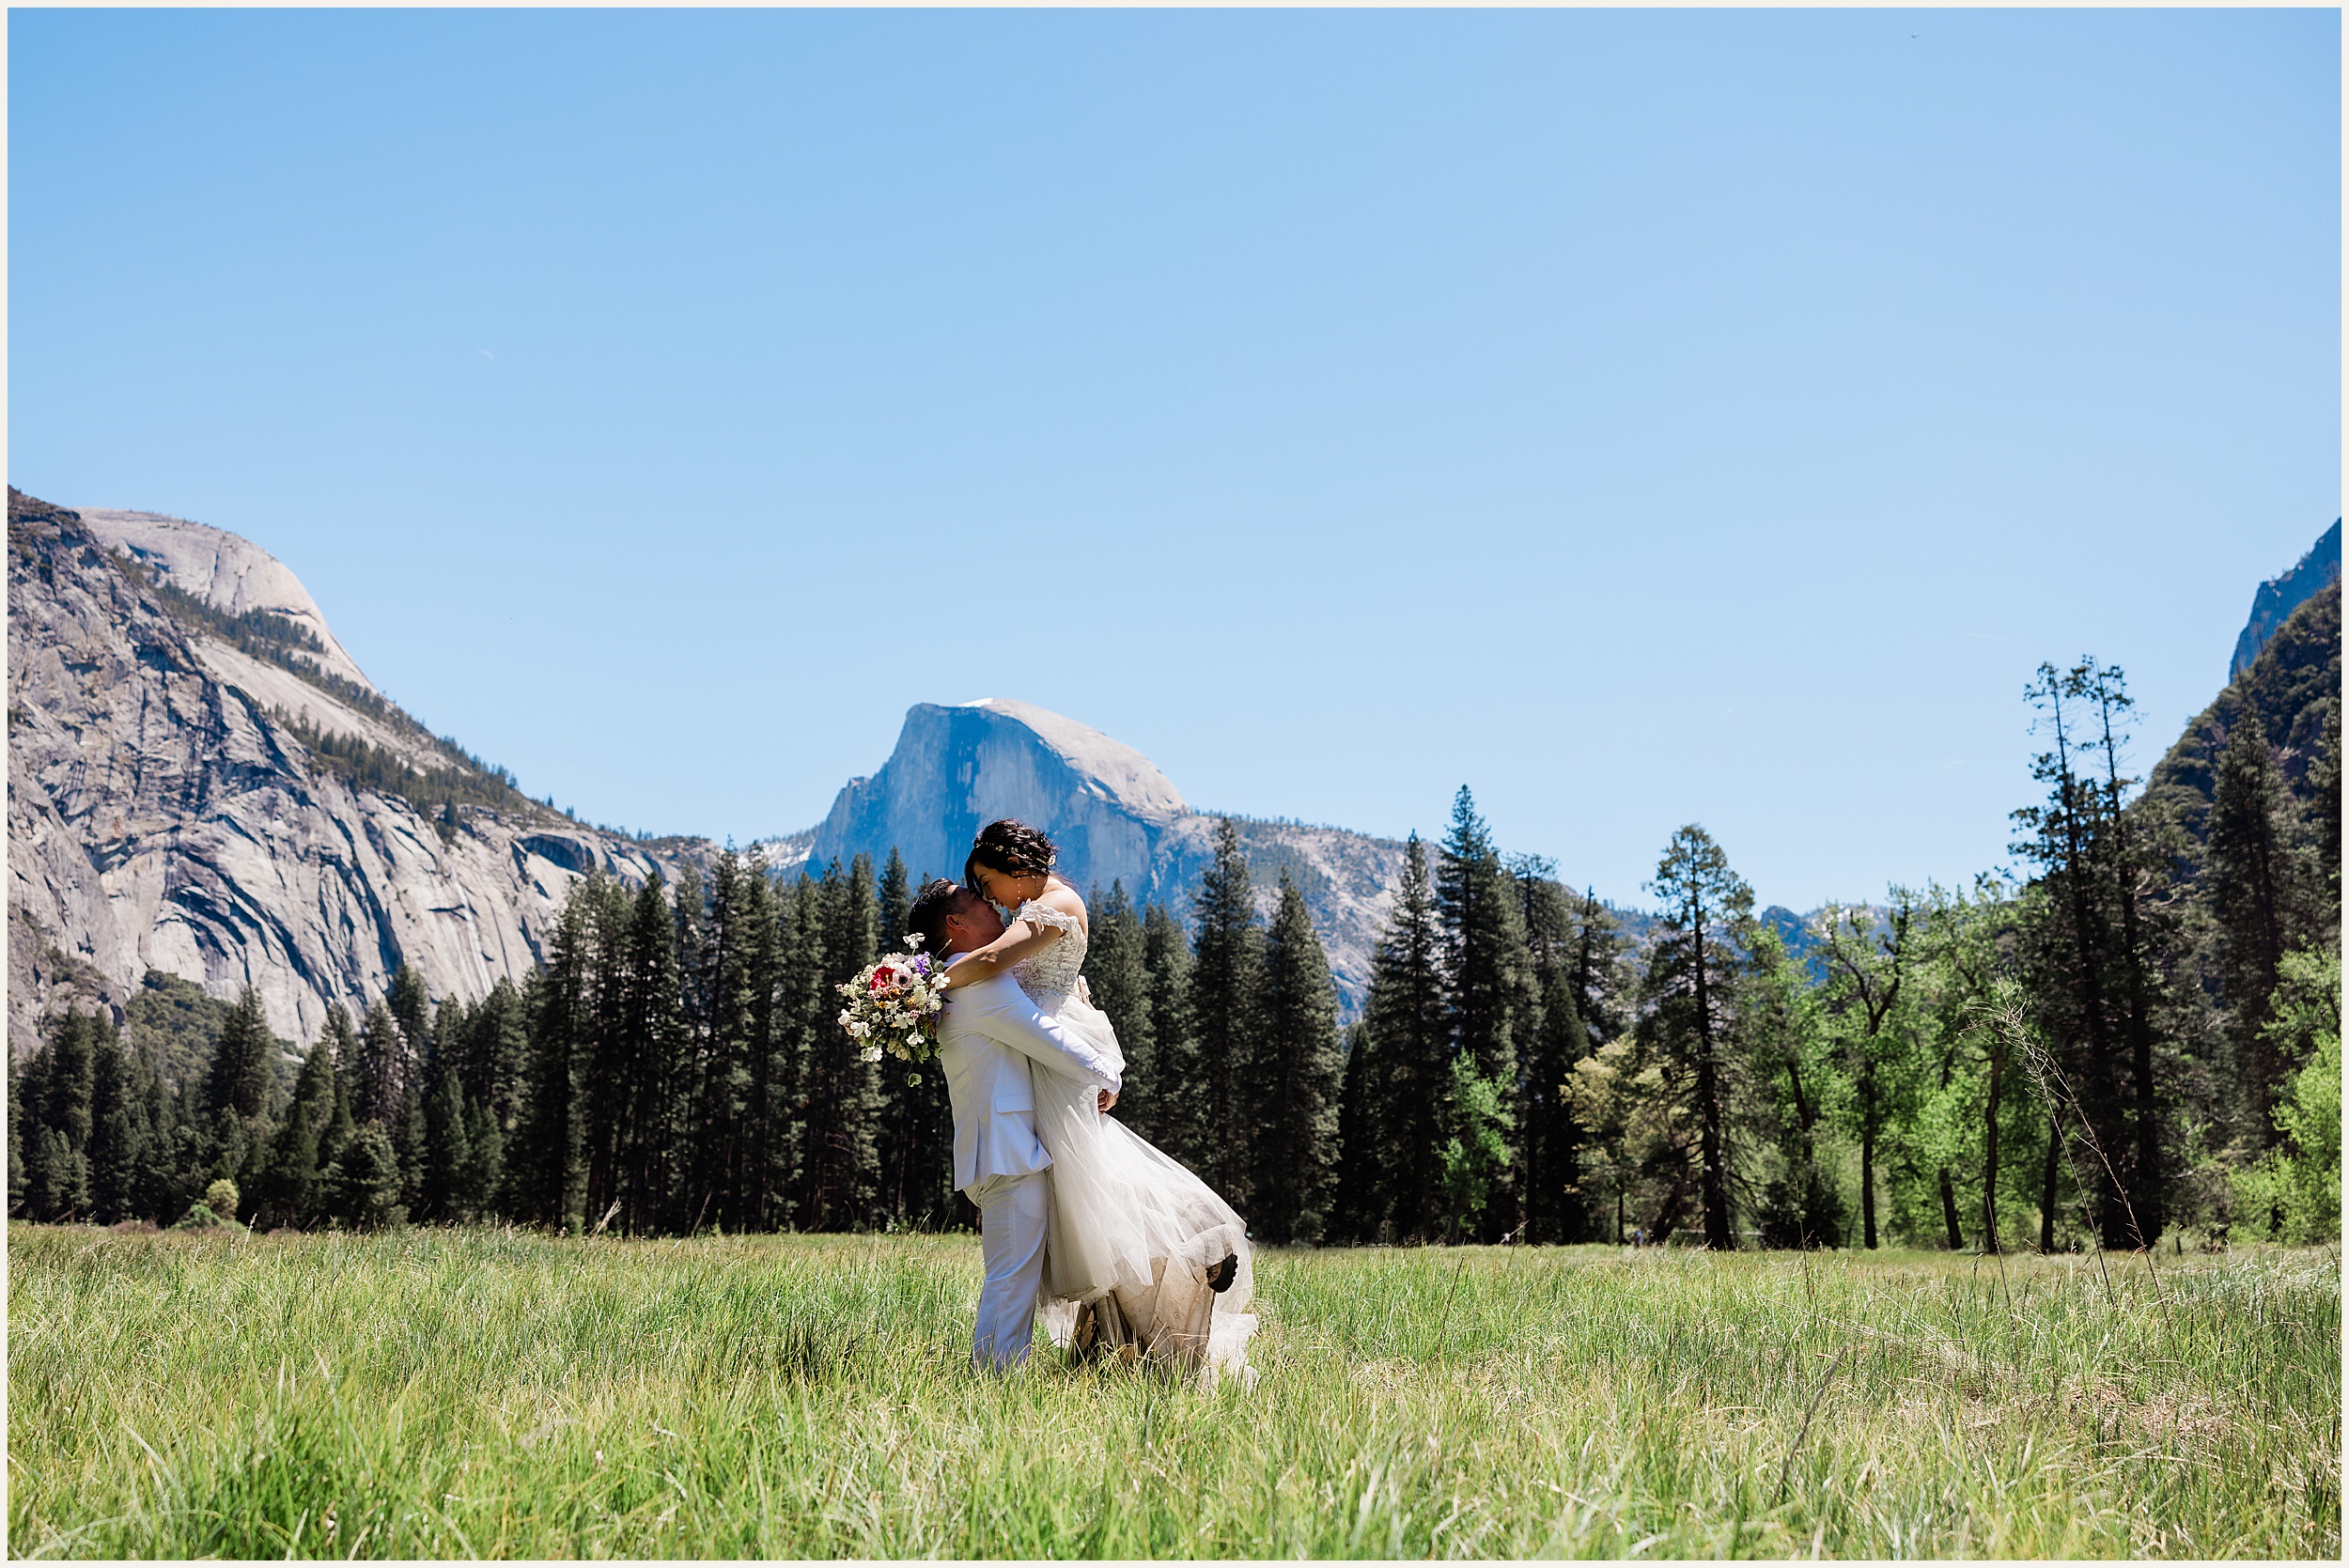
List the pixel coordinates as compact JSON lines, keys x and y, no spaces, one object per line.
{"x":241,"y":1079}
{"x":2249,"y":870}
{"x":1407,"y":1067}
{"x":766,"y":1156}
{"x":840,"y":1161}
{"x":448,"y":1151}
{"x":1600,"y":978}
{"x":1692,"y":982}
{"x":287,"y":1191}
{"x":1489,"y":996}
{"x":1226,"y":1017}
{"x":484,"y":1175}
{"x":897,"y":902}
{"x":339,"y":1044}
{"x":291,"y":1190}
{"x":916,"y":1119}
{"x":379,"y":1071}
{"x":1118,"y":974}
{"x":656,"y":1047}
{"x":2087,"y":950}
{"x":1355,"y":1214}
{"x":412,"y":1009}
{"x":547,"y":1173}
{"x":365,"y":1181}
{"x":1296,"y":1082}
{"x":1173,"y":1110}
{"x":121,"y":1137}
{"x":1554,"y":1039}
{"x":60,"y":1085}
{"x":497,"y":1053}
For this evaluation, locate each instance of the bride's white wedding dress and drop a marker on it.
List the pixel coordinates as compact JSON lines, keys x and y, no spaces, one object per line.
{"x":1132,"y":1233}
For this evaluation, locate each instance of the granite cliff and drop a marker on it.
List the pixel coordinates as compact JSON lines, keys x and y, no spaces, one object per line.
{"x":1115,"y":815}
{"x":2279,"y":597}
{"x":165,"y":811}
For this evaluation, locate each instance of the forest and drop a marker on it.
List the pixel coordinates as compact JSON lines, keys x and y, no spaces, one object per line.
{"x":2129,"y":1037}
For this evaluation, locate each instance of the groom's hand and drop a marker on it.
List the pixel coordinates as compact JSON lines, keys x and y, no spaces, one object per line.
{"x":1108,"y":1099}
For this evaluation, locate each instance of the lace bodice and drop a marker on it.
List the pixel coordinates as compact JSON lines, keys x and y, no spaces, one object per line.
{"x":1051,"y":974}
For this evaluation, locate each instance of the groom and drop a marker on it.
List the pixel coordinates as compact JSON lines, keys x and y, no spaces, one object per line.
{"x":989,"y":1039}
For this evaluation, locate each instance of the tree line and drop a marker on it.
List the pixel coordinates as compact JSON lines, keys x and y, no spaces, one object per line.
{"x":2137,"y":1034}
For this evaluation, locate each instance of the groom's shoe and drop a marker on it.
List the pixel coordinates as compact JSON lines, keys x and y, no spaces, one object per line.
{"x":1219,"y":1277}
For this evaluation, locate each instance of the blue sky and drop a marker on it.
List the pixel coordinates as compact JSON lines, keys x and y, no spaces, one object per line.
{"x":1641,"y":417}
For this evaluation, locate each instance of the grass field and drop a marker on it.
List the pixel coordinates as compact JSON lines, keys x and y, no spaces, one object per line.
{"x":447,"y":1393}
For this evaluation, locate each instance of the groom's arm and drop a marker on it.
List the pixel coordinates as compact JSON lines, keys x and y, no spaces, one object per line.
{"x":1000,"y":1010}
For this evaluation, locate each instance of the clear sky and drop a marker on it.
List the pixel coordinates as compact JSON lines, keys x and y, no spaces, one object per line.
{"x":1641,"y":417}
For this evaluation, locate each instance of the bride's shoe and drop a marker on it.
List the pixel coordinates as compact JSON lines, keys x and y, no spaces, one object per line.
{"x":1219,"y":1277}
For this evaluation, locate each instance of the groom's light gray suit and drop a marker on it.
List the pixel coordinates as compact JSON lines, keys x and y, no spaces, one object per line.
{"x":988,"y":1039}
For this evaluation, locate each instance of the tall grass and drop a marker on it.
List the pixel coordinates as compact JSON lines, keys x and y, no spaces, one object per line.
{"x":444,"y":1393}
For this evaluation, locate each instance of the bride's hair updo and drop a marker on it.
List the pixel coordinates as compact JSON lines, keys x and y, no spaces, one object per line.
{"x":926,"y":919}
{"x":1009,"y":848}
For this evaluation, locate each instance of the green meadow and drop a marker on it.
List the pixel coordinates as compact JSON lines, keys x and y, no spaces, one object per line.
{"x":452,"y":1393}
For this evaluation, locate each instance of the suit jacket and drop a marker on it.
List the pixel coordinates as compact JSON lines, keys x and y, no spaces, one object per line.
{"x":988,"y":1036}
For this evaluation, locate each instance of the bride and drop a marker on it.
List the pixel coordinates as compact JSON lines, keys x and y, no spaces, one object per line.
{"x":1142,"y":1258}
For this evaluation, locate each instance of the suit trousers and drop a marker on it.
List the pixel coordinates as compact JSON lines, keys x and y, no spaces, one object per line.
{"x":1011,"y":1244}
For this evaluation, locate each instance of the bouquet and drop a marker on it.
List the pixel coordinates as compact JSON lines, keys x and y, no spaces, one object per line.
{"x":894,"y":1006}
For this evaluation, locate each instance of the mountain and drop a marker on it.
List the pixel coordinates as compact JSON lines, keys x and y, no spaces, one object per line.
{"x":2291,"y":687}
{"x":1115,"y":815}
{"x":202,"y":781}
{"x":2279,"y":597}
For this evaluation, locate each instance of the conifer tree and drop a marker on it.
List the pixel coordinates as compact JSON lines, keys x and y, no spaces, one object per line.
{"x":1118,"y":973}
{"x":2249,"y":870}
{"x":1489,"y":989}
{"x":1553,"y":1040}
{"x":1599,"y":981}
{"x":16,"y":1137}
{"x":58,"y":1090}
{"x":1226,"y":1014}
{"x":1355,"y":1214}
{"x":291,"y":1191}
{"x":1692,"y":984}
{"x":655,"y":1046}
{"x":547,"y":1173}
{"x":897,"y":902}
{"x":448,"y":1150}
{"x":1406,"y":1067}
{"x":379,"y":1072}
{"x":364,"y":1182}
{"x":2086,"y":950}
{"x":121,"y":1134}
{"x":1489,"y":993}
{"x":497,"y":1053}
{"x":842,"y":1157}
{"x":340,"y":1043}
{"x":1172,"y":1112}
{"x":241,"y":1080}
{"x":412,"y":1009}
{"x":484,"y":1174}
{"x":1297,"y":1081}
{"x":917,"y":1131}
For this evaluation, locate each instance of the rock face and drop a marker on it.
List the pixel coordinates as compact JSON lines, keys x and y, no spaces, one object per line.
{"x":1113,"y":814}
{"x":165,"y":813}
{"x":2279,"y":597}
{"x":231,"y":574}
{"x":160,"y":817}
